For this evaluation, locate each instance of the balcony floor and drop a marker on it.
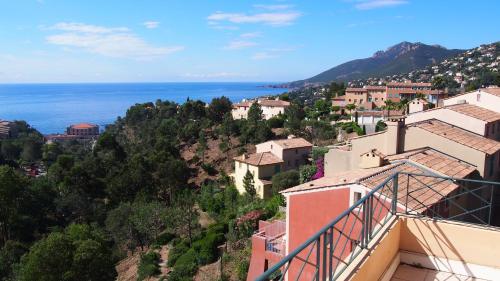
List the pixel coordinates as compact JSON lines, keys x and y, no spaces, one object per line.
{"x":406,"y":272}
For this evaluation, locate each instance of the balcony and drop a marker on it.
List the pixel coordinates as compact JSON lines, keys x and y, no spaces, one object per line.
{"x":273,"y":234}
{"x":410,"y":227}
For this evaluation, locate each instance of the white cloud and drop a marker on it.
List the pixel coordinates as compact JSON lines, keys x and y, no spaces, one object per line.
{"x":86,"y":28}
{"x":273,"y":19}
{"x":374,"y":4}
{"x":111,"y":42}
{"x":151,"y":24}
{"x":239,"y":44}
{"x":273,"y":7}
{"x":263,"y":56}
{"x":251,"y":35}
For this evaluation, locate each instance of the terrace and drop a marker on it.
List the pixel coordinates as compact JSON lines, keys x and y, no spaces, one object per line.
{"x":404,"y":229}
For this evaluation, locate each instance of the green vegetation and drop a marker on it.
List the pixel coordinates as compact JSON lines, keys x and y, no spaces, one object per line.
{"x":148,"y":265}
{"x":132,"y":189}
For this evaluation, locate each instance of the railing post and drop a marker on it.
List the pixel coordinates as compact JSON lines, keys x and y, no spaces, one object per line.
{"x":318,"y":257}
{"x":395,"y":178}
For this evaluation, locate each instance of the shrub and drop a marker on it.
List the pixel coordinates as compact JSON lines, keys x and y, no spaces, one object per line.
{"x":276,"y":122}
{"x":148,"y":266}
{"x":319,"y":152}
{"x":164,"y":238}
{"x":306,"y":172}
{"x":185,"y":266}
{"x":177,"y":251}
{"x":209,"y":168}
{"x":284,"y":180}
{"x":242,"y":269}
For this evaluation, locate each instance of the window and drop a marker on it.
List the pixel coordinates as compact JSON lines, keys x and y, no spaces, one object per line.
{"x":491,"y":165}
{"x":296,"y":151}
{"x":296,"y":162}
{"x":277,"y":169}
{"x":357,"y":196}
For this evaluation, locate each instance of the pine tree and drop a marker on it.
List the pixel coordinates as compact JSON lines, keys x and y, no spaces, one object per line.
{"x":249,"y":184}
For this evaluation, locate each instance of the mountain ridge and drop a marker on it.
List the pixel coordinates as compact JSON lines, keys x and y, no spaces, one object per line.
{"x":402,"y":57}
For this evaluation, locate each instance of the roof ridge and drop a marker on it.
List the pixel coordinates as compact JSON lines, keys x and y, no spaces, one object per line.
{"x":260,"y":158}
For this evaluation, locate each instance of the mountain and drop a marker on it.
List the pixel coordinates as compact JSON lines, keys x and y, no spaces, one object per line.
{"x":400,"y":58}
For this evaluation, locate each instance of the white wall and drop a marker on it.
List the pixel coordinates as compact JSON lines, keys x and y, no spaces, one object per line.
{"x":486,"y":100}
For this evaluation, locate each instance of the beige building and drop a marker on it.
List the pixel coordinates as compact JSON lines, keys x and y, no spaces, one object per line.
{"x":271,"y":158}
{"x":270,"y":108}
{"x":471,"y":148}
{"x":488,"y":98}
{"x":417,"y":105}
{"x":262,"y":166}
{"x":294,"y":151}
{"x":7,"y":129}
{"x":470,"y":117}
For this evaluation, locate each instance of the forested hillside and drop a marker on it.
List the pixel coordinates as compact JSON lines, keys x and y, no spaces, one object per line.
{"x":150,"y":180}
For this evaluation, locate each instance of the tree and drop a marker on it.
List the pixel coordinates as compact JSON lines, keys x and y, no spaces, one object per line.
{"x":350,"y":107}
{"x":249,"y":184}
{"x":183,"y":214}
{"x":285,"y":180}
{"x":202,"y":145}
{"x":403,"y":105}
{"x":78,"y":253}
{"x":389,"y":105}
{"x":380,"y":126}
{"x":218,"y":108}
{"x":335,"y":108}
{"x":12,"y":194}
{"x":294,"y":114}
{"x":306,"y":172}
{"x":254,"y":113}
{"x":138,"y":224}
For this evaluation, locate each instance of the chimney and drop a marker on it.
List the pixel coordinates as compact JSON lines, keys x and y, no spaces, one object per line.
{"x":394,"y":139}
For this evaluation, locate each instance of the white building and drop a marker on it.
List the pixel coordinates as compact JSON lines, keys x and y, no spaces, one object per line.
{"x":270,"y":108}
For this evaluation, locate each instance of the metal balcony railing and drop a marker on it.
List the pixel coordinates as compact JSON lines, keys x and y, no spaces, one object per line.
{"x":327,"y":254}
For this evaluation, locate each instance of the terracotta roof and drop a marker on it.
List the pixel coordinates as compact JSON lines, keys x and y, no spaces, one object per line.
{"x":292,"y":143}
{"x":342,"y":178}
{"x":443,"y":164}
{"x":259,"y":159}
{"x":459,"y":135}
{"x":492,"y":90}
{"x":379,"y":113}
{"x":475,"y":111}
{"x":409,"y":84}
{"x":83,"y":126}
{"x":243,"y":104}
{"x":375,"y":87}
{"x":420,"y":197}
{"x":356,"y":90}
{"x":278,"y":103}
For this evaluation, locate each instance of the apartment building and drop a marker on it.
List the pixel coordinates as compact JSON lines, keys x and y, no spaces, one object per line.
{"x":83,"y":129}
{"x":270,"y":108}
{"x":488,"y":98}
{"x":418,"y":105}
{"x":394,"y":91}
{"x":313,"y":205}
{"x":270,"y":158}
{"x":404,"y":173}
{"x":7,"y":129}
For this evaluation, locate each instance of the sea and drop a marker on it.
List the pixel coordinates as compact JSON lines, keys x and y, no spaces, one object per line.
{"x":50,"y":108}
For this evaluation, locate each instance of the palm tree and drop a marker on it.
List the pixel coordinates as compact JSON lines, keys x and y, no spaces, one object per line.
{"x":403,"y":105}
{"x":389,"y":105}
{"x":350,"y":107}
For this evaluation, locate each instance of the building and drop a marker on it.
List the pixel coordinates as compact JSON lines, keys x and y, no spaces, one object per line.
{"x":294,"y":152}
{"x":7,"y":129}
{"x":370,"y":118}
{"x":83,"y":129}
{"x":473,"y":118}
{"x":262,"y":166}
{"x":488,"y":98}
{"x":394,"y":91}
{"x":270,"y":158}
{"x":270,"y":108}
{"x":313,"y":205}
{"x":418,"y":105}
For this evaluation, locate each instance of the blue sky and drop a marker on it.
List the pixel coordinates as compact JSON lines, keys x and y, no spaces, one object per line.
{"x":221,"y":40}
